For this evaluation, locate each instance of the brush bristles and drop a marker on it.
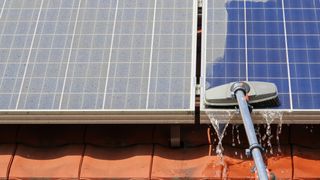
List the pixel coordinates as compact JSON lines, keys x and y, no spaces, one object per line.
{"x":267,"y":104}
{"x":275,"y":102}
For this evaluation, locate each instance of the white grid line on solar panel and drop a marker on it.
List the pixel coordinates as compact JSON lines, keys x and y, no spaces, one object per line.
{"x":100,"y":85}
{"x":69,"y":56}
{"x":170,"y":71}
{"x":265,"y":43}
{"x":74,"y":65}
{"x":261,"y":63}
{"x":6,"y":34}
{"x":307,"y":48}
{"x":157,"y":68}
{"x":125,"y":21}
{"x":32,"y":81}
{"x":40,"y":100}
{"x":97,"y":77}
{"x":113,"y":86}
{"x":2,"y":81}
{"x":150,"y":65}
{"x":28,"y":65}
{"x":46,"y":68}
{"x":86,"y":71}
{"x":66,"y":90}
{"x":260,"y":77}
{"x":309,"y":73}
{"x":297,"y":62}
{"x":159,"y":48}
{"x":29,"y":54}
{"x":151,"y":53}
{"x":92,"y":63}
{"x":245,"y":39}
{"x":130,"y":60}
{"x":266,"y":8}
{"x":101,"y":8}
{"x":262,"y":34}
{"x":245,"y":34}
{"x":90,"y":110}
{"x":11,"y":45}
{"x":110,"y":54}
{"x":89,"y":93}
{"x":257,"y":21}
{"x":287,"y":54}
{"x":144,"y":55}
{"x":2,"y":8}
{"x":142,"y":48}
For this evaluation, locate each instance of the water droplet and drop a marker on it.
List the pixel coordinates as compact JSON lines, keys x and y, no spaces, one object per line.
{"x":238,"y":134}
{"x":269,"y":117}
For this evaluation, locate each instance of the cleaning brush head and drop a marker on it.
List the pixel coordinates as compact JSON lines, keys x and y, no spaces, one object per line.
{"x":259,"y":94}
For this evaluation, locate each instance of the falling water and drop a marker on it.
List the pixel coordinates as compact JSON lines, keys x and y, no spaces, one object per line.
{"x":258,"y":133}
{"x":238,"y":134}
{"x":232,"y":134}
{"x":269,"y":117}
{"x":310,"y":128}
{"x":220,"y":122}
{"x":279,"y":130}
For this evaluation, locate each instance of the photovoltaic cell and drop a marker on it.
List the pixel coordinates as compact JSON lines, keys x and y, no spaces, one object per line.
{"x":81,"y":54}
{"x":266,"y":46}
{"x":302,"y":21}
{"x":17,"y":27}
{"x":272,"y":40}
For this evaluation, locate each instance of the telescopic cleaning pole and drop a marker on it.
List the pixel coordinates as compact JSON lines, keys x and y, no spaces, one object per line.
{"x":240,"y":90}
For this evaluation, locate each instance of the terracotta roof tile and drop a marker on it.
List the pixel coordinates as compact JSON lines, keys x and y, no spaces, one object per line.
{"x":238,"y":165}
{"x":113,"y":163}
{"x":126,"y":151}
{"x":185,"y":163}
{"x":306,"y":163}
{"x":53,"y":162}
{"x":194,"y":135}
{"x":6,"y":154}
{"x":280,"y":163}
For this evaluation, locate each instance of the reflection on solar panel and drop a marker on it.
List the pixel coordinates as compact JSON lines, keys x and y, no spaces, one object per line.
{"x":265,"y":40}
{"x":97,"y":54}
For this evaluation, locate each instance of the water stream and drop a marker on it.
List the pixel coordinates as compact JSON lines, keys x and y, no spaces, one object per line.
{"x":220,"y":122}
{"x":269,"y":117}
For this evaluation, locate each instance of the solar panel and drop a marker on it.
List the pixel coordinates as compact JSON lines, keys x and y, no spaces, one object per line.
{"x":265,"y":40}
{"x":97,"y":54}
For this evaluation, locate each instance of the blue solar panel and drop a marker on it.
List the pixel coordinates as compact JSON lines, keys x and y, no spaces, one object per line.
{"x":266,"y":40}
{"x":303,"y":28}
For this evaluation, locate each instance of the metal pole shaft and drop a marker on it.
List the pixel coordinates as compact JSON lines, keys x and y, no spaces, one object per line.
{"x":250,"y":131}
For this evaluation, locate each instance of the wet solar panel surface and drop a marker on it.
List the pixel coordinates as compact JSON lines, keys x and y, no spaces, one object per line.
{"x":266,"y":40}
